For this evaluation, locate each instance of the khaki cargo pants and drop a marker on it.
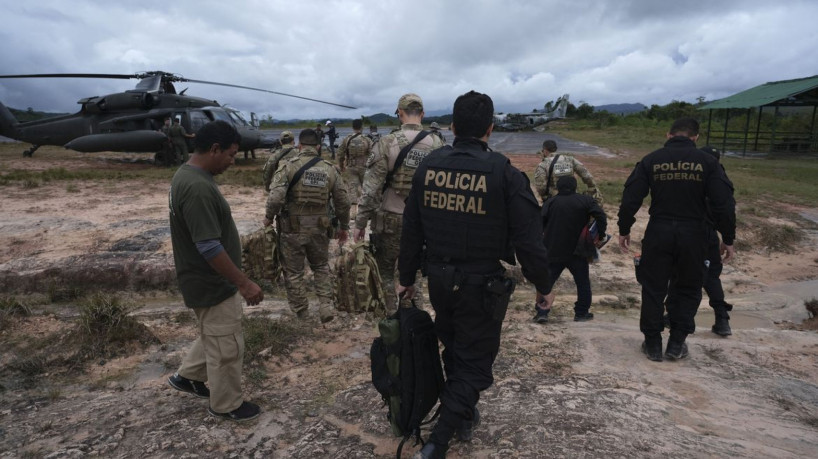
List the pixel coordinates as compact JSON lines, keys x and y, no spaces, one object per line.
{"x":216,"y":355}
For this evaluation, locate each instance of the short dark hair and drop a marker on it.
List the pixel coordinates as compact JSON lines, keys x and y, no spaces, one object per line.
{"x":308,"y":137}
{"x":357,"y":124}
{"x":549,"y":145}
{"x":472,"y":114}
{"x":216,"y":132}
{"x":687,"y":127}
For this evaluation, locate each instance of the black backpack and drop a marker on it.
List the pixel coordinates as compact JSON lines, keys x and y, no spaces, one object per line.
{"x":406,"y":370}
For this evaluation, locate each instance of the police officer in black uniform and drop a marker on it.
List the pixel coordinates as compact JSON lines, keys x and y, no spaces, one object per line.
{"x":683,"y":181}
{"x":470,"y":208}
{"x":712,"y":283}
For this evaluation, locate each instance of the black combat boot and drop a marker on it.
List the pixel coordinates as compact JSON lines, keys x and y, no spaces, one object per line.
{"x":722,"y":325}
{"x":652,"y":347}
{"x":466,"y":432}
{"x":676,"y":350}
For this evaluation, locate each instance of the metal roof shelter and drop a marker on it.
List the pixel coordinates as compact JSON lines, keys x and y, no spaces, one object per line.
{"x":802,"y":92}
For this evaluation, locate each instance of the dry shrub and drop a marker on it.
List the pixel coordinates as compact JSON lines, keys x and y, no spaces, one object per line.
{"x":106,"y":328}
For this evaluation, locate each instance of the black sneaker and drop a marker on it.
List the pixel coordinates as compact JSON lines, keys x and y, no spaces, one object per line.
{"x":676,"y":350}
{"x":722,"y":327}
{"x":245,"y":412}
{"x":466,"y":432}
{"x":542,"y":315}
{"x":190,"y":386}
{"x":584,"y":317}
{"x":653,"y":350}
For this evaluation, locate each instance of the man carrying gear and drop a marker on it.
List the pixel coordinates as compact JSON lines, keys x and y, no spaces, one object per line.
{"x":300,"y":193}
{"x":554,"y":166}
{"x":353,"y":152}
{"x":286,"y":150}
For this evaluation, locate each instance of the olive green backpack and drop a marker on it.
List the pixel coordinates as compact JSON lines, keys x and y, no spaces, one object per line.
{"x":261,"y":254}
{"x":358,"y":282}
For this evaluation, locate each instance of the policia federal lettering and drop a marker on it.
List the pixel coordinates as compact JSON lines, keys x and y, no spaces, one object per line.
{"x":679,"y":170}
{"x":461,"y":184}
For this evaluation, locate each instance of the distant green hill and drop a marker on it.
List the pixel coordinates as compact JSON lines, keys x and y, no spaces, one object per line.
{"x":31,"y":115}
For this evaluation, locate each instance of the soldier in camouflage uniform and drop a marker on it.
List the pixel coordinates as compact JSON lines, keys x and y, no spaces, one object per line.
{"x":285,"y":151}
{"x":302,"y":213}
{"x":352,"y":156}
{"x":565,"y":165}
{"x":374,"y":135}
{"x":177,"y":135}
{"x":385,"y":207}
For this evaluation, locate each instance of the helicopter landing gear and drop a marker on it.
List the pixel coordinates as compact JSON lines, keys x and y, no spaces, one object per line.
{"x":30,"y":151}
{"x":163,"y":157}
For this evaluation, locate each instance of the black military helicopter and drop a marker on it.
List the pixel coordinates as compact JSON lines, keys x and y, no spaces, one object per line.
{"x":129,"y":121}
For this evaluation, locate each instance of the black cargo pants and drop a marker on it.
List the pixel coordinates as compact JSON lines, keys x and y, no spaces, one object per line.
{"x":468,"y":320}
{"x":672,"y":272}
{"x":712,"y":284}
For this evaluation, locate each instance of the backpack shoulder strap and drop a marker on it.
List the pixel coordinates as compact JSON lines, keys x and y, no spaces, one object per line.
{"x":401,"y":157}
{"x":550,"y":173}
{"x":300,"y":172}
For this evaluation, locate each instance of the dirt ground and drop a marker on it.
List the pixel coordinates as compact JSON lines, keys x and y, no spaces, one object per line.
{"x":563,"y":389}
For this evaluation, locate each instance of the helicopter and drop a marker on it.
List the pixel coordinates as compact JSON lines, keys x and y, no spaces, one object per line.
{"x":130,"y":121}
{"x":520,"y":121}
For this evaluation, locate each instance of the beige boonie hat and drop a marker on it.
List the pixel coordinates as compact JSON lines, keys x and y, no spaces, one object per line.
{"x":410,"y":101}
{"x":286,"y":135}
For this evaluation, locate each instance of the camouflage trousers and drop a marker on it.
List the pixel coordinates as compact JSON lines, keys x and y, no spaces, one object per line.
{"x":354,"y":177}
{"x":314,"y":246}
{"x":385,"y":237}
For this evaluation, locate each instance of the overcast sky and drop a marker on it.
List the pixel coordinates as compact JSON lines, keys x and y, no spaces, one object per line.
{"x":367,"y":53}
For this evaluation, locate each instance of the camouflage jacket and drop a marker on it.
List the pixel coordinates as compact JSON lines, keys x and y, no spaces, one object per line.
{"x":380,"y":162}
{"x":566,"y":165}
{"x":276,"y":156}
{"x":321,"y":181}
{"x":354,"y":150}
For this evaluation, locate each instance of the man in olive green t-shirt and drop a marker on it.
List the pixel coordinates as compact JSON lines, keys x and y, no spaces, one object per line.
{"x":207,"y":254}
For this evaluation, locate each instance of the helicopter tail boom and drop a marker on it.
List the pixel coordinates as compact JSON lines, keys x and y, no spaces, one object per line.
{"x":8,"y":123}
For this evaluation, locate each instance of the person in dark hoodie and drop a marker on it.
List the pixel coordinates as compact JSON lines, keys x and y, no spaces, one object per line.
{"x":564,"y":218}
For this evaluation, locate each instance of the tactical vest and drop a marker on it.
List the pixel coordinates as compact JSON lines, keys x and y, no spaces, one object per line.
{"x":462,"y":206}
{"x":564,"y":166}
{"x":357,"y":148}
{"x":402,"y":180}
{"x":313,"y":189}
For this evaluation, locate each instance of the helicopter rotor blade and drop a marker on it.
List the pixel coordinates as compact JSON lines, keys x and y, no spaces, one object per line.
{"x":72,"y":75}
{"x":266,"y":90}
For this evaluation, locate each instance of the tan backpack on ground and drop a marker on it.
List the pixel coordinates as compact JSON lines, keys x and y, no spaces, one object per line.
{"x":358,"y":282}
{"x":261,"y":255}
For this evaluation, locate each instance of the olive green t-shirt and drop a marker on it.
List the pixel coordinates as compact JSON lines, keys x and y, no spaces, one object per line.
{"x":199,"y":212}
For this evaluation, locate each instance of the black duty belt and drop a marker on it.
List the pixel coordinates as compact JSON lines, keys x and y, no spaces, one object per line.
{"x":457,"y":277}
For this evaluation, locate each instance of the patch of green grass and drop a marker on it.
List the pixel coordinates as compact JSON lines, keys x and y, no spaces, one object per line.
{"x":32,"y":179}
{"x":262,"y":333}
{"x":12,"y":307}
{"x":105,"y":325}
{"x":779,"y":238}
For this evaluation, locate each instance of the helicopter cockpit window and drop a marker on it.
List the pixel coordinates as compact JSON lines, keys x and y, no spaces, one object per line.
{"x":148,"y":84}
{"x":237,"y":118}
{"x":219,"y":114}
